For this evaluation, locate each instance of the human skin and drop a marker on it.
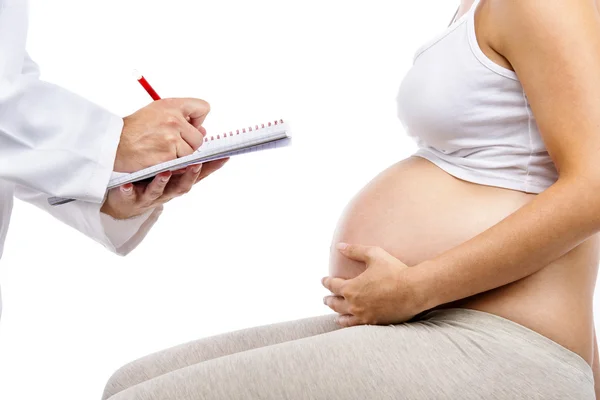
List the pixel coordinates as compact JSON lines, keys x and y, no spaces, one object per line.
{"x":445,"y":242}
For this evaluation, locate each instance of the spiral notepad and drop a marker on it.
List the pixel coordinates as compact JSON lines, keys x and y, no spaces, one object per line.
{"x":241,"y":141}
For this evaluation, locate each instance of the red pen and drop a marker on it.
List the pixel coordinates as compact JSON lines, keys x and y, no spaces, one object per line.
{"x":140,"y":78}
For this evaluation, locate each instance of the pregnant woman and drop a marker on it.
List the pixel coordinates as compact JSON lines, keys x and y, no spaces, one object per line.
{"x":470,"y":267}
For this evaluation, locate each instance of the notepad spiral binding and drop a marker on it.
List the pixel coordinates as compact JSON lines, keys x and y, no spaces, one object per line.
{"x":244,"y":130}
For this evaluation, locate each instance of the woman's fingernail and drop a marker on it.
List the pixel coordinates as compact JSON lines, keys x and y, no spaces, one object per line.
{"x":325,"y":300}
{"x":127,"y":187}
{"x":196,"y":168}
{"x":342,"y":246}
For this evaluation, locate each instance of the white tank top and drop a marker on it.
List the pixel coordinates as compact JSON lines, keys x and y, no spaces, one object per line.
{"x":470,"y":116}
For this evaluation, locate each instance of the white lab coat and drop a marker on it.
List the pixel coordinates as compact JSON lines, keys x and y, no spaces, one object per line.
{"x":55,"y":143}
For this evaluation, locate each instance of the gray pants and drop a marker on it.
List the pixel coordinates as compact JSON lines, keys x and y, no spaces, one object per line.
{"x":448,"y":354}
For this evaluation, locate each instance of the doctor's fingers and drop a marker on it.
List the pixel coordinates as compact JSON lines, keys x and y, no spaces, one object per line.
{"x":192,"y":136}
{"x":182,"y":148}
{"x":183,"y":183}
{"x":155,"y":189}
{"x":179,"y":136}
{"x":210,"y":167}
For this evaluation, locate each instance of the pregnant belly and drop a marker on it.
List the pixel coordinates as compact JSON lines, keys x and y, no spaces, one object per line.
{"x":416,"y":211}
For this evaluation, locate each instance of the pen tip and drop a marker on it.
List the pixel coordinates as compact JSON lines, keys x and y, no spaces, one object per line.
{"x":137,"y":75}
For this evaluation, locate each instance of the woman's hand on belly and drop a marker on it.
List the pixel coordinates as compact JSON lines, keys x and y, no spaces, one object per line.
{"x":383,"y":294}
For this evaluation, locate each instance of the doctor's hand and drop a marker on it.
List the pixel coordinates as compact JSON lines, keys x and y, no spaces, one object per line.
{"x":383,"y":294}
{"x":131,"y":200}
{"x":162,"y":131}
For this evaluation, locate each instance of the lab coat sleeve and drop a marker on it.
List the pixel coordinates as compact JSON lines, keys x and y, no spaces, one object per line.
{"x":30,"y":67}
{"x":118,"y":236}
{"x":53,"y":140}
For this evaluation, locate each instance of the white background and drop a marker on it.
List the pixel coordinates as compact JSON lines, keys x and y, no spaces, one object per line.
{"x":249,"y":245}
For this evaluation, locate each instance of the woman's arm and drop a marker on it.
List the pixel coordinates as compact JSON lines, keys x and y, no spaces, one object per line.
{"x":554,"y":47}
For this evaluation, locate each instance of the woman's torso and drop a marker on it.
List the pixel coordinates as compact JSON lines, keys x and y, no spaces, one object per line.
{"x":415,"y":210}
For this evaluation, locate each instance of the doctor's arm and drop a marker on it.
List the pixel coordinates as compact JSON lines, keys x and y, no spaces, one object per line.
{"x":118,"y":235}
{"x":61,"y":144}
{"x":53,"y":142}
{"x":109,"y":223}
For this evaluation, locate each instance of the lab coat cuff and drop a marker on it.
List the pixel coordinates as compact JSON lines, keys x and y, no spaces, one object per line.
{"x":124,"y":235}
{"x":106,"y":159}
